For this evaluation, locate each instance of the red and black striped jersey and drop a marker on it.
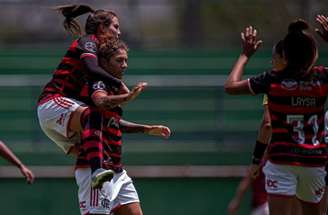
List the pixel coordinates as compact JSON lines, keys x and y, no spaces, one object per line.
{"x":70,"y":75}
{"x":297,"y":112}
{"x":111,"y":131}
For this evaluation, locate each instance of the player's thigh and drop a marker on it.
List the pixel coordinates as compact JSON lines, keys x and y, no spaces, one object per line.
{"x":280,"y":205}
{"x":75,"y":121}
{"x":310,"y":208}
{"x":133,"y":208}
{"x":311,"y":185}
{"x":324,"y":202}
{"x":58,"y":113}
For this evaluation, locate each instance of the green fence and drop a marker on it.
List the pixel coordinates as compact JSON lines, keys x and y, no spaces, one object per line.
{"x":185,"y":92}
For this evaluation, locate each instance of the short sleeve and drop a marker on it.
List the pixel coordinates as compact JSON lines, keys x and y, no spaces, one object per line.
{"x":261,"y":83}
{"x":88,"y":46}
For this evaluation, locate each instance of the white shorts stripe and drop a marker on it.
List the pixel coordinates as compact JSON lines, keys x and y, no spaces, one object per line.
{"x":119,"y":191}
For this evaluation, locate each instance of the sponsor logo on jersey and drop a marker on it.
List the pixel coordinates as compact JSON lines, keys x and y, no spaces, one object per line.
{"x":289,"y":84}
{"x":113,"y":122}
{"x":99,"y":86}
{"x":309,"y":85}
{"x":91,"y":47}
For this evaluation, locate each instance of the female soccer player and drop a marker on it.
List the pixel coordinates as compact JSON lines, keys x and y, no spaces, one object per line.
{"x":297,"y":153}
{"x":118,"y":196}
{"x":323,"y":21}
{"x":59,"y":111}
{"x":255,"y":177}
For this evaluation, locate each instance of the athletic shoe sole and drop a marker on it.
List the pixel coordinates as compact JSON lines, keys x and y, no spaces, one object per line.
{"x":101,"y":178}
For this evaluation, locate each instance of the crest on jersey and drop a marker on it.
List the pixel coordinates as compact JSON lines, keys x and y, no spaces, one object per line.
{"x":90,"y":46}
{"x":99,"y":86}
{"x":289,"y":84}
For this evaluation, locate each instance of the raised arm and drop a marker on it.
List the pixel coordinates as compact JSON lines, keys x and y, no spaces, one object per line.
{"x":6,"y":153}
{"x":234,"y":83}
{"x":157,"y":130}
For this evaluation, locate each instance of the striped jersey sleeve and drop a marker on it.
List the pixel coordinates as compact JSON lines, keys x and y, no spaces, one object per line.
{"x":261,"y":83}
{"x":88,"y":46}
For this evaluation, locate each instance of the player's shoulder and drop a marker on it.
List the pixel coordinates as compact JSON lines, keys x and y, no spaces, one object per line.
{"x":88,"y":42}
{"x":88,"y":37}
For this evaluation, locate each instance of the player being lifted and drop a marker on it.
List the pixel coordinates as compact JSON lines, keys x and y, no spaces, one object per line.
{"x":118,"y":196}
{"x":59,"y":111}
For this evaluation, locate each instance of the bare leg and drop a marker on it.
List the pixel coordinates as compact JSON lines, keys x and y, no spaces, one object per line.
{"x":324,"y":203}
{"x":130,"y":209}
{"x":75,"y":121}
{"x":310,"y":208}
{"x":297,"y":207}
{"x":280,"y":205}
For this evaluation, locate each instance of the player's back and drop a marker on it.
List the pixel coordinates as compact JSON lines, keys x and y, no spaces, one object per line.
{"x":70,"y":75}
{"x":297,"y":111}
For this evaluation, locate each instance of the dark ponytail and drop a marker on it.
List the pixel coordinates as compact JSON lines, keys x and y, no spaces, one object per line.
{"x":70,"y":12}
{"x":299,"y":46}
{"x":298,"y":25}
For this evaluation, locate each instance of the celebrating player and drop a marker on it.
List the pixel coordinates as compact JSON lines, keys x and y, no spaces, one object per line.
{"x":297,"y":152}
{"x":59,"y":111}
{"x":118,"y":196}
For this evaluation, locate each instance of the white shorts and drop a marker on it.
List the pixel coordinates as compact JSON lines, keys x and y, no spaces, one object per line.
{"x":119,"y":191}
{"x":54,"y":117}
{"x":261,"y":210}
{"x":307,"y":183}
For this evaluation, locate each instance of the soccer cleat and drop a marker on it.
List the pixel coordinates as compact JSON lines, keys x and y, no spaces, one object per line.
{"x":100,"y":176}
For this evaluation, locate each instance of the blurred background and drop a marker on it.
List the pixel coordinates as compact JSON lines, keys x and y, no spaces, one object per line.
{"x":184,"y":49}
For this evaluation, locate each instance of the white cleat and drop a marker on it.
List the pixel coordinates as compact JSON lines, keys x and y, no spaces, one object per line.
{"x":100,"y":176}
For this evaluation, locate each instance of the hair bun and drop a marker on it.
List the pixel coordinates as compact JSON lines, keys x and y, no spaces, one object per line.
{"x":298,"y":26}
{"x":72,"y":11}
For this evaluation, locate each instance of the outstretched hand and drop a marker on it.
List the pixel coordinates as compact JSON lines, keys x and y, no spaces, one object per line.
{"x":159,"y":130}
{"x":27,"y":173}
{"x":250,"y":42}
{"x":137,"y":90}
{"x":323,"y":21}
